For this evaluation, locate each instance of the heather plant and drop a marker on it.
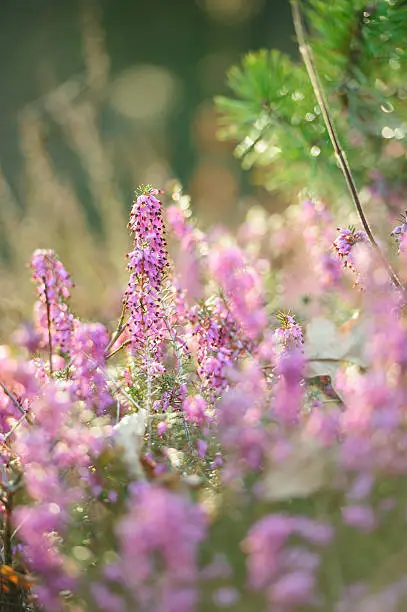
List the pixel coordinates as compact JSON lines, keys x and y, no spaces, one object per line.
{"x":238,"y":439}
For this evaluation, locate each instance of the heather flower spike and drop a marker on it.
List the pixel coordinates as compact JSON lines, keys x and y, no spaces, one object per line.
{"x":345,"y":243}
{"x":147,"y":262}
{"x":289,"y":335}
{"x":54,"y":321}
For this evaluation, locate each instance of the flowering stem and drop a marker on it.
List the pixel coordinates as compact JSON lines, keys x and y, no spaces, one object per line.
{"x":49,"y":324}
{"x":307,"y":56}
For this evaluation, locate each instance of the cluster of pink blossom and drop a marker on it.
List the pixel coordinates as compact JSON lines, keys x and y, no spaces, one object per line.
{"x":287,"y":573}
{"x":230,"y":445}
{"x":289,"y":335}
{"x":188,"y":260}
{"x":89,"y":344}
{"x":344,"y":246}
{"x":219,"y":344}
{"x":399,"y":232}
{"x":53,"y":319}
{"x":159,"y":541}
{"x":318,"y":231}
{"x":242,"y":288}
{"x":56,"y":452}
{"x":147,"y":263}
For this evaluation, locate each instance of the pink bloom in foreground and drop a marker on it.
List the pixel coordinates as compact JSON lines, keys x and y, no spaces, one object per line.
{"x":159,"y":540}
{"x":286,"y":572}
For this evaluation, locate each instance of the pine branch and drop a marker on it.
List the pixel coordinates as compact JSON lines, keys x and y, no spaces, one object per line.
{"x":307,"y":56}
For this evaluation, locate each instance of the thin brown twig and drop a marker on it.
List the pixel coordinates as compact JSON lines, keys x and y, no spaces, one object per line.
{"x":16,"y":402}
{"x":121,"y":326}
{"x":15,"y":426}
{"x":307,"y":56}
{"x":122,"y":346}
{"x":12,"y":398}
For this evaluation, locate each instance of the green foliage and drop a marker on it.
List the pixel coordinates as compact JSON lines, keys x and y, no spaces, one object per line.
{"x":361,"y":57}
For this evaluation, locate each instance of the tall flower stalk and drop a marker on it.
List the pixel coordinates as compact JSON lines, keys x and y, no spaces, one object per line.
{"x":54,"y":321}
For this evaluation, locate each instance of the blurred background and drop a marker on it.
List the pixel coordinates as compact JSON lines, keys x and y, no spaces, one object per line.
{"x":99,"y":96}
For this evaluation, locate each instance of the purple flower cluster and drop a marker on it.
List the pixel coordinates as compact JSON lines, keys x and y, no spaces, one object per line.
{"x":159,"y":541}
{"x":234,"y":427}
{"x":345,"y":243}
{"x":56,"y":452}
{"x":219,"y":344}
{"x":148,"y":264}
{"x":242,"y":288}
{"x":289,"y":335}
{"x":53,"y":289}
{"x":286,"y":571}
{"x":89,"y":343}
{"x":318,"y":231}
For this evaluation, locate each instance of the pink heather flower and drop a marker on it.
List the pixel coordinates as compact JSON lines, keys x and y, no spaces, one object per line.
{"x":161,"y":428}
{"x":57,"y":450}
{"x":288,"y":390}
{"x":202,"y":447}
{"x":242,"y":287}
{"x":28,"y":337}
{"x":147,"y":263}
{"x":344,"y":244}
{"x":219,"y":345}
{"x":53,"y":284}
{"x":225,"y":597}
{"x":188,"y":259}
{"x":317,"y":227}
{"x":195,"y":409}
{"x":289,"y":335}
{"x":361,"y":517}
{"x":106,"y":600}
{"x":399,"y":232}
{"x":323,"y":425}
{"x":159,"y":540}
{"x":293,"y":589}
{"x":286,"y":572}
{"x":89,"y":343}
{"x":241,"y":429}
{"x":347,"y":239}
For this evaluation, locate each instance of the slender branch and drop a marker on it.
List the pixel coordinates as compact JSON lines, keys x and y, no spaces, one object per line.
{"x":15,"y":426}
{"x":121,"y":326}
{"x":12,"y":398}
{"x":307,"y":56}
{"x":119,"y":348}
{"x":49,"y":324}
{"x":16,"y":402}
{"x":335,"y":360}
